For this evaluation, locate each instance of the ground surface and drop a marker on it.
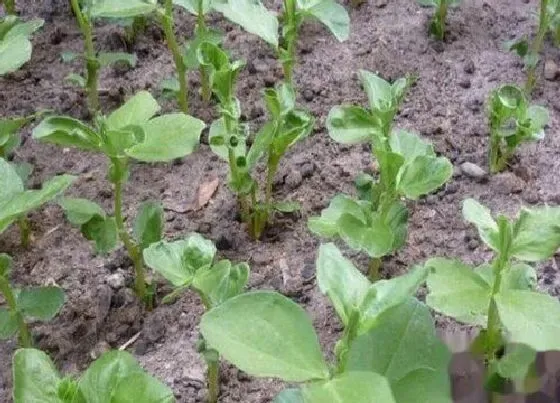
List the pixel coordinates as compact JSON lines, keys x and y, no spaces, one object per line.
{"x":446,"y":106}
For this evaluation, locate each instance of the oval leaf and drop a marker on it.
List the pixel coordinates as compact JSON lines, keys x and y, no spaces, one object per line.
{"x":41,"y":303}
{"x":35,"y":377}
{"x":351,"y":125}
{"x":265,"y":334}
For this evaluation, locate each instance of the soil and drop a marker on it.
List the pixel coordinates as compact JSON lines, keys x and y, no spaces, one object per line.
{"x":446,"y":106}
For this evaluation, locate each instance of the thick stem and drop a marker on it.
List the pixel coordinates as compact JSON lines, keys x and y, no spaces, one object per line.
{"x":167,"y":23}
{"x":290,"y":38}
{"x":24,"y":231}
{"x":10,"y":7}
{"x":213,"y":376}
{"x":24,"y":336}
{"x":442,"y":18}
{"x":373,"y":269}
{"x":201,"y":30}
{"x":92,"y":64}
{"x":536,"y":47}
{"x":131,"y":247}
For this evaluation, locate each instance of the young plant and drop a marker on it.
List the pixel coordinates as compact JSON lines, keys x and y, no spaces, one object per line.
{"x":530,"y":51}
{"x":388,"y":350}
{"x":9,"y":6}
{"x":256,"y":19}
{"x":190,"y":263}
{"x":15,"y":46}
{"x":115,"y":377}
{"x":437,"y":25}
{"x":130,"y":132}
{"x":500,"y":296}
{"x":16,"y":201}
{"x":376,"y":222}
{"x":87,"y":11}
{"x":38,"y":303}
{"x":513,"y":121}
{"x":228,"y":138}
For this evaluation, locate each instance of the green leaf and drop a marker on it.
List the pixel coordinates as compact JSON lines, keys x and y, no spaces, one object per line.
{"x":10,"y":181}
{"x":530,"y":318}
{"x":339,"y":279}
{"x":330,"y":13}
{"x":351,"y":125}
{"x":221,"y":281}
{"x":327,"y":224}
{"x":8,"y":134}
{"x":354,"y":387}
{"x":148,"y":226}
{"x":379,"y":92}
{"x":458,"y":291}
{"x":121,"y":8}
{"x":516,"y":362}
{"x":42,"y":303}
{"x":140,"y":387}
{"x":280,"y":100}
{"x":68,"y":56}
{"x":267,"y":335}
{"x":252,"y":16}
{"x":35,"y":377}
{"x":192,"y":6}
{"x":403,"y":340}
{"x":15,"y":47}
{"x":135,"y":112}
{"x":536,"y":234}
{"x":409,"y":145}
{"x":291,"y":395}
{"x":80,"y":211}
{"x":8,"y":324}
{"x":168,"y":137}
{"x":6,"y":262}
{"x":481,"y":217}
{"x":424,"y":175}
{"x":104,"y":377}
{"x":67,"y":132}
{"x":179,"y":261}
{"x":286,"y":206}
{"x":386,"y":294}
{"x":190,"y":54}
{"x":374,"y":237}
{"x":423,"y":385}
{"x":102,"y":231}
{"x":108,"y":58}
{"x":21,"y":203}
{"x":24,"y":170}
{"x":76,"y":79}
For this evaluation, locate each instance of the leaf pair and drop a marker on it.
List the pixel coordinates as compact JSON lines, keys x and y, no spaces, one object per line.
{"x":16,"y":201}
{"x":190,"y":263}
{"x":266,"y":334}
{"x":130,"y":131}
{"x":36,"y":303}
{"x":15,"y":46}
{"x":115,"y":377}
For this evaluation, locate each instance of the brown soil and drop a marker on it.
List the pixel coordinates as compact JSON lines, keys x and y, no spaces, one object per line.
{"x":446,"y":106}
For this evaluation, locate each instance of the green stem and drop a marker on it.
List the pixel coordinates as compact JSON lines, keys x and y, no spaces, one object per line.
{"x":24,"y":335}
{"x":202,"y":29}
{"x":10,"y":7}
{"x":25,"y":231}
{"x":92,"y":64}
{"x":167,"y":23}
{"x":373,"y":269}
{"x":536,"y":47}
{"x":213,"y":376}
{"x":442,"y":17}
{"x":290,"y":39}
{"x":131,"y":247}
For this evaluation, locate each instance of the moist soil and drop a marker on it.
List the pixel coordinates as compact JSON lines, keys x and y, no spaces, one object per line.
{"x":446,"y":106}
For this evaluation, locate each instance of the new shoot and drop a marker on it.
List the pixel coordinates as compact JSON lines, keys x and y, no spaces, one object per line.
{"x":128,"y":133}
{"x":190,"y":264}
{"x":408,"y":167}
{"x":437,"y":24}
{"x":513,"y":121}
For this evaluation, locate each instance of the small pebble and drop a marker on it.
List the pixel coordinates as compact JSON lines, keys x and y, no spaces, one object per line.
{"x":115,"y":280}
{"x":473,"y":171}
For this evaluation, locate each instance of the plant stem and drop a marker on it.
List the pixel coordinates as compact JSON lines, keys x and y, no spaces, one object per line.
{"x":373,"y":269}
{"x":167,"y":23}
{"x":24,"y":335}
{"x":441,"y":20}
{"x":25,"y":231}
{"x":131,"y":247}
{"x":92,"y":64}
{"x":213,"y":376}
{"x":201,"y":28}
{"x":10,"y":7}
{"x":291,"y":39}
{"x":536,"y":47}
